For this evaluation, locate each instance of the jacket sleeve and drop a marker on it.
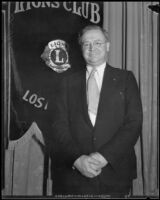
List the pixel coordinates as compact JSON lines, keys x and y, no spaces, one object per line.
{"x":66,"y":148}
{"x":125,"y":138}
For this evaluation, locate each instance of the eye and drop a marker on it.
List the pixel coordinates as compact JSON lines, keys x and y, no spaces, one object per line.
{"x":86,"y":44}
{"x":98,"y":44}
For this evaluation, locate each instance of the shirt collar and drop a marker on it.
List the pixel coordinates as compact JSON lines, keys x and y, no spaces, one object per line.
{"x":100,"y":68}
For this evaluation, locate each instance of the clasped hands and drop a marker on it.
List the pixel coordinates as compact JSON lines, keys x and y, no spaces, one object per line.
{"x":90,"y":165}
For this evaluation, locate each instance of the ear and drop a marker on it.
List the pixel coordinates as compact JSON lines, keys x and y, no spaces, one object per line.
{"x":108,"y":45}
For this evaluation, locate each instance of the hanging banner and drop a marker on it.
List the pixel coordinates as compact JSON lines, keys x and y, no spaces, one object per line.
{"x":43,"y":48}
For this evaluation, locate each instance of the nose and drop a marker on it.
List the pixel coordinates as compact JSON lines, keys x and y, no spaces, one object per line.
{"x":91,"y":46}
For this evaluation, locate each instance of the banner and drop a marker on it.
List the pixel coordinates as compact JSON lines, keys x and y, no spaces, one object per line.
{"x":34,"y":29}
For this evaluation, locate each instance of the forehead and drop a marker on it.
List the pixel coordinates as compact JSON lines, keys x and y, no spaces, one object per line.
{"x":93,"y":35}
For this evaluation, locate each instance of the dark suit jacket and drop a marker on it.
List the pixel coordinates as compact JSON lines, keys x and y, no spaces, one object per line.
{"x":114,"y":135}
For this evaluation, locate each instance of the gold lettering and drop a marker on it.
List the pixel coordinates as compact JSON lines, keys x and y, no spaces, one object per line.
{"x":55,"y":5}
{"x":75,"y":10}
{"x":38,"y":4}
{"x":19,"y":7}
{"x":65,"y":6}
{"x":85,"y":9}
{"x":48,"y":4}
{"x":58,"y":57}
{"x":95,"y":17}
{"x":28,"y":5}
{"x":74,"y":7}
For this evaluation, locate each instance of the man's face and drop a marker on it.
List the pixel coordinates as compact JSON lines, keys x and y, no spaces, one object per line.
{"x":94,"y":47}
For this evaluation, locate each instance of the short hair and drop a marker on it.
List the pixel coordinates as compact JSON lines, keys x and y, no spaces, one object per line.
{"x":91,"y":27}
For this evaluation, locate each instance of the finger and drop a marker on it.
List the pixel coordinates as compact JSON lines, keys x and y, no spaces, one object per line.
{"x":99,"y":157}
{"x":95,"y":156}
{"x":95,"y":167}
{"x":92,"y":171}
{"x":94,"y":161}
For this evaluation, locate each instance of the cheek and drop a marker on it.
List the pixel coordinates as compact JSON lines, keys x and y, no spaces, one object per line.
{"x":85,"y":54}
{"x":93,"y":52}
{"x":102,"y":53}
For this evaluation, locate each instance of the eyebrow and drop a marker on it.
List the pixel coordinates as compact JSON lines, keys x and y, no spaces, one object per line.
{"x":93,"y":41}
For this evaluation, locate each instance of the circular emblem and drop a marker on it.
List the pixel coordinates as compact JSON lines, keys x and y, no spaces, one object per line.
{"x":57,"y":56}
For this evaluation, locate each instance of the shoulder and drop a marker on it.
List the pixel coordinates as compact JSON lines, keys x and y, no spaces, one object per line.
{"x":123,"y":76}
{"x":121,"y":73}
{"x":118,"y":71}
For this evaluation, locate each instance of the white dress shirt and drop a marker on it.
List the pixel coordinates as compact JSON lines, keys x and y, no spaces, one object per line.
{"x":99,"y":79}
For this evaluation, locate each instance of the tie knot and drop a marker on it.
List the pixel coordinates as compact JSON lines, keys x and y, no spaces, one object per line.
{"x":93,"y":72}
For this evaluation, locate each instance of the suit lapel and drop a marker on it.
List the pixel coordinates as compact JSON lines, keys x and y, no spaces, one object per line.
{"x":106,"y":92}
{"x":84,"y":100}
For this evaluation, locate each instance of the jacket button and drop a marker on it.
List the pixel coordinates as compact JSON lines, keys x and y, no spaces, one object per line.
{"x":94,"y":138}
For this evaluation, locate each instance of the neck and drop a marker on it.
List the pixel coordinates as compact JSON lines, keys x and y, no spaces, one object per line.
{"x":98,"y":65}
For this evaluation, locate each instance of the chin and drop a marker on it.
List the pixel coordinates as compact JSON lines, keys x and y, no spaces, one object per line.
{"x":92,"y":60}
{"x":93,"y":64}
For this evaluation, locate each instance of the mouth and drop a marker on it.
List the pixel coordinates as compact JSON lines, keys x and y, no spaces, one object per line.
{"x":92,"y":54}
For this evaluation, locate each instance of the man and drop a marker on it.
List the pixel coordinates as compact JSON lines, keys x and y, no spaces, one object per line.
{"x":97,"y":122}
